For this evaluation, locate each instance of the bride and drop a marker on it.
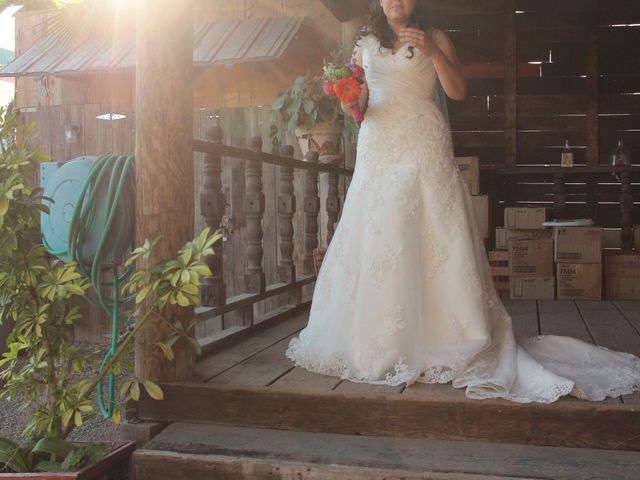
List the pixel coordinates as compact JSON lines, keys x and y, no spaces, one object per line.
{"x":405,"y":292}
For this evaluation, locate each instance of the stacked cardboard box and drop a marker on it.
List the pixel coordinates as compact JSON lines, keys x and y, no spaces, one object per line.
{"x":578,"y":257}
{"x":469,"y":168}
{"x":611,"y":238}
{"x":530,"y":252}
{"x":499,"y":262}
{"x":622,"y":275}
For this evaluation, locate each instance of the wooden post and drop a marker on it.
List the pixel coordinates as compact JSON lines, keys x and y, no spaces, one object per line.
{"x":286,"y":210}
{"x":212,"y":204}
{"x":254,"y":209}
{"x":164,"y":162}
{"x":593,"y":207}
{"x":559,"y":197}
{"x":510,"y":85}
{"x":333,"y":205}
{"x":311,"y":211}
{"x":593,"y":77}
{"x":626,"y":210}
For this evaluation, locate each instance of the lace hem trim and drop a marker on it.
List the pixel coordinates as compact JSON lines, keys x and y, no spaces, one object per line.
{"x":402,"y":373}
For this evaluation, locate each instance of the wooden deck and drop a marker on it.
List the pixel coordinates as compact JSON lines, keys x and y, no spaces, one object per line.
{"x":253,"y":384}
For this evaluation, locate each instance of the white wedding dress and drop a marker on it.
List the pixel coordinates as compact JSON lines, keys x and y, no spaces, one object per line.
{"x":405,"y":291}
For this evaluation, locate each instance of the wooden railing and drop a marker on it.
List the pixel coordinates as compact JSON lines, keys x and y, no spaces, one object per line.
{"x":506,"y":185}
{"x":212,"y":204}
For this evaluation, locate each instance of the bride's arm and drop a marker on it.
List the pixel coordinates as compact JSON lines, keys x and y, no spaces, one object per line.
{"x":356,"y":57}
{"x":446,"y":62}
{"x":443,"y":54}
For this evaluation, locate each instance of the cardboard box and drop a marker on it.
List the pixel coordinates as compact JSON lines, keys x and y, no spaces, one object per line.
{"x":579,"y":281}
{"x":481,"y":209}
{"x":499,"y":263}
{"x":622,"y":275}
{"x":611,"y":238}
{"x":501,"y":238}
{"x":622,"y":288}
{"x":622,"y":264}
{"x":525,"y":217}
{"x":532,"y":288}
{"x":531,"y":258}
{"x":577,"y":244}
{"x":469,"y":168}
{"x":528,"y":233}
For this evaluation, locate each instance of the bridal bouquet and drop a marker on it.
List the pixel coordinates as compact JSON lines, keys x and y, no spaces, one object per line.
{"x":345,"y":82}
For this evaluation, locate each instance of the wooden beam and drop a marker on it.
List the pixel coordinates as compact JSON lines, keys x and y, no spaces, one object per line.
{"x":510,"y":84}
{"x":345,"y":10}
{"x":164,"y":161}
{"x":593,"y":77}
{"x":566,"y":423}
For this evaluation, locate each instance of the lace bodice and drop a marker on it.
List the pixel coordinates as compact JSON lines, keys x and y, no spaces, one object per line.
{"x":396,"y":81}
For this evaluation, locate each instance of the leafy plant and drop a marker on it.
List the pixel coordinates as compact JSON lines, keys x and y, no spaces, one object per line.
{"x":303,"y":105}
{"x":49,"y":455}
{"x":42,"y":365}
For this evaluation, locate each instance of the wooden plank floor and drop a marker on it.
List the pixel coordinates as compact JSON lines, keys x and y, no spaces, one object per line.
{"x":253,"y":384}
{"x":259,"y":361}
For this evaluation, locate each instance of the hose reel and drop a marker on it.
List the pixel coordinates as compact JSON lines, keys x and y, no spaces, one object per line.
{"x":91,"y":221}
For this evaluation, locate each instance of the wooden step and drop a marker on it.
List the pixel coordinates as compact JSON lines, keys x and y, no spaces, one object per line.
{"x":427,"y":411}
{"x":253,"y":384}
{"x":197,"y":451}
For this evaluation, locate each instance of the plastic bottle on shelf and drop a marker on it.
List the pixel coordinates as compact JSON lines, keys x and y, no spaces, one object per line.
{"x":620,"y":155}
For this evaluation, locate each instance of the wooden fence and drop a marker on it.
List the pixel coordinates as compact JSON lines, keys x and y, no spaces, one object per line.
{"x":224,"y":315}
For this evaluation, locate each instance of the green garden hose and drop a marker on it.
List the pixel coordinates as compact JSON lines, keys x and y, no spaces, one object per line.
{"x":114,"y":169}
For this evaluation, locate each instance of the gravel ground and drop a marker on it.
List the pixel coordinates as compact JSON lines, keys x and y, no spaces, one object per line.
{"x":13,"y":419}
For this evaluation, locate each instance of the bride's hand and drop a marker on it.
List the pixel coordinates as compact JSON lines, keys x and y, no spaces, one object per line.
{"x":348,"y":106}
{"x":418,"y":39}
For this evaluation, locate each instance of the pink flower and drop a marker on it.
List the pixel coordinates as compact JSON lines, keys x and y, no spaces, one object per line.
{"x":356,"y":70}
{"x":327,"y":87}
{"x":357,"y":115}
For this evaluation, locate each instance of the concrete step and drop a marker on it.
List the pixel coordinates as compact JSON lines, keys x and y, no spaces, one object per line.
{"x":198,"y":452}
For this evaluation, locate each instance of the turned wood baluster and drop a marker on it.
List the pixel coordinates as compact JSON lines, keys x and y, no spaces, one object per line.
{"x":286,"y":209}
{"x":212,"y":202}
{"x":559,"y":196}
{"x":254,"y":209}
{"x":311,"y":211}
{"x":626,"y":207}
{"x":332,"y":205}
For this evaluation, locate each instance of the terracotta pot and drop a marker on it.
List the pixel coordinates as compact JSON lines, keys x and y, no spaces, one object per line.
{"x":323,"y":138}
{"x":114,"y":466}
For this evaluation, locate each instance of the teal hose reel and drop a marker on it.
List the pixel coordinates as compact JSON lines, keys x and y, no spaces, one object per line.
{"x":91,"y":221}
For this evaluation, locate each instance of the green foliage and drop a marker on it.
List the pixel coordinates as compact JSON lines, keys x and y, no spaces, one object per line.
{"x":42,"y":366}
{"x":36,"y":292}
{"x":303,"y":105}
{"x":48,"y":455}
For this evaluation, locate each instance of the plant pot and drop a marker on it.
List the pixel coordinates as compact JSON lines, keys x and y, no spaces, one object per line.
{"x":114,"y":466}
{"x":323,"y":138}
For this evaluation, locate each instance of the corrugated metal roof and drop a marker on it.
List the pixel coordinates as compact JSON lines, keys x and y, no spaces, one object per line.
{"x":226,"y":41}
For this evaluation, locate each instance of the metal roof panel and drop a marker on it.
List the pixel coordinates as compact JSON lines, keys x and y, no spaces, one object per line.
{"x":225,"y":41}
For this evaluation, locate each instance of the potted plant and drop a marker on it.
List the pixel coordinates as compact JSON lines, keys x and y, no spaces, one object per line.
{"x":316,"y":119}
{"x":42,"y":366}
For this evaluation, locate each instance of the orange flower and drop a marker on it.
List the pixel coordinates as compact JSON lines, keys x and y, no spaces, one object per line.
{"x":347,"y":89}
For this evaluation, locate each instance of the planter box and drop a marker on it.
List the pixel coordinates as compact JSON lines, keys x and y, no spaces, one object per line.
{"x":114,"y":466}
